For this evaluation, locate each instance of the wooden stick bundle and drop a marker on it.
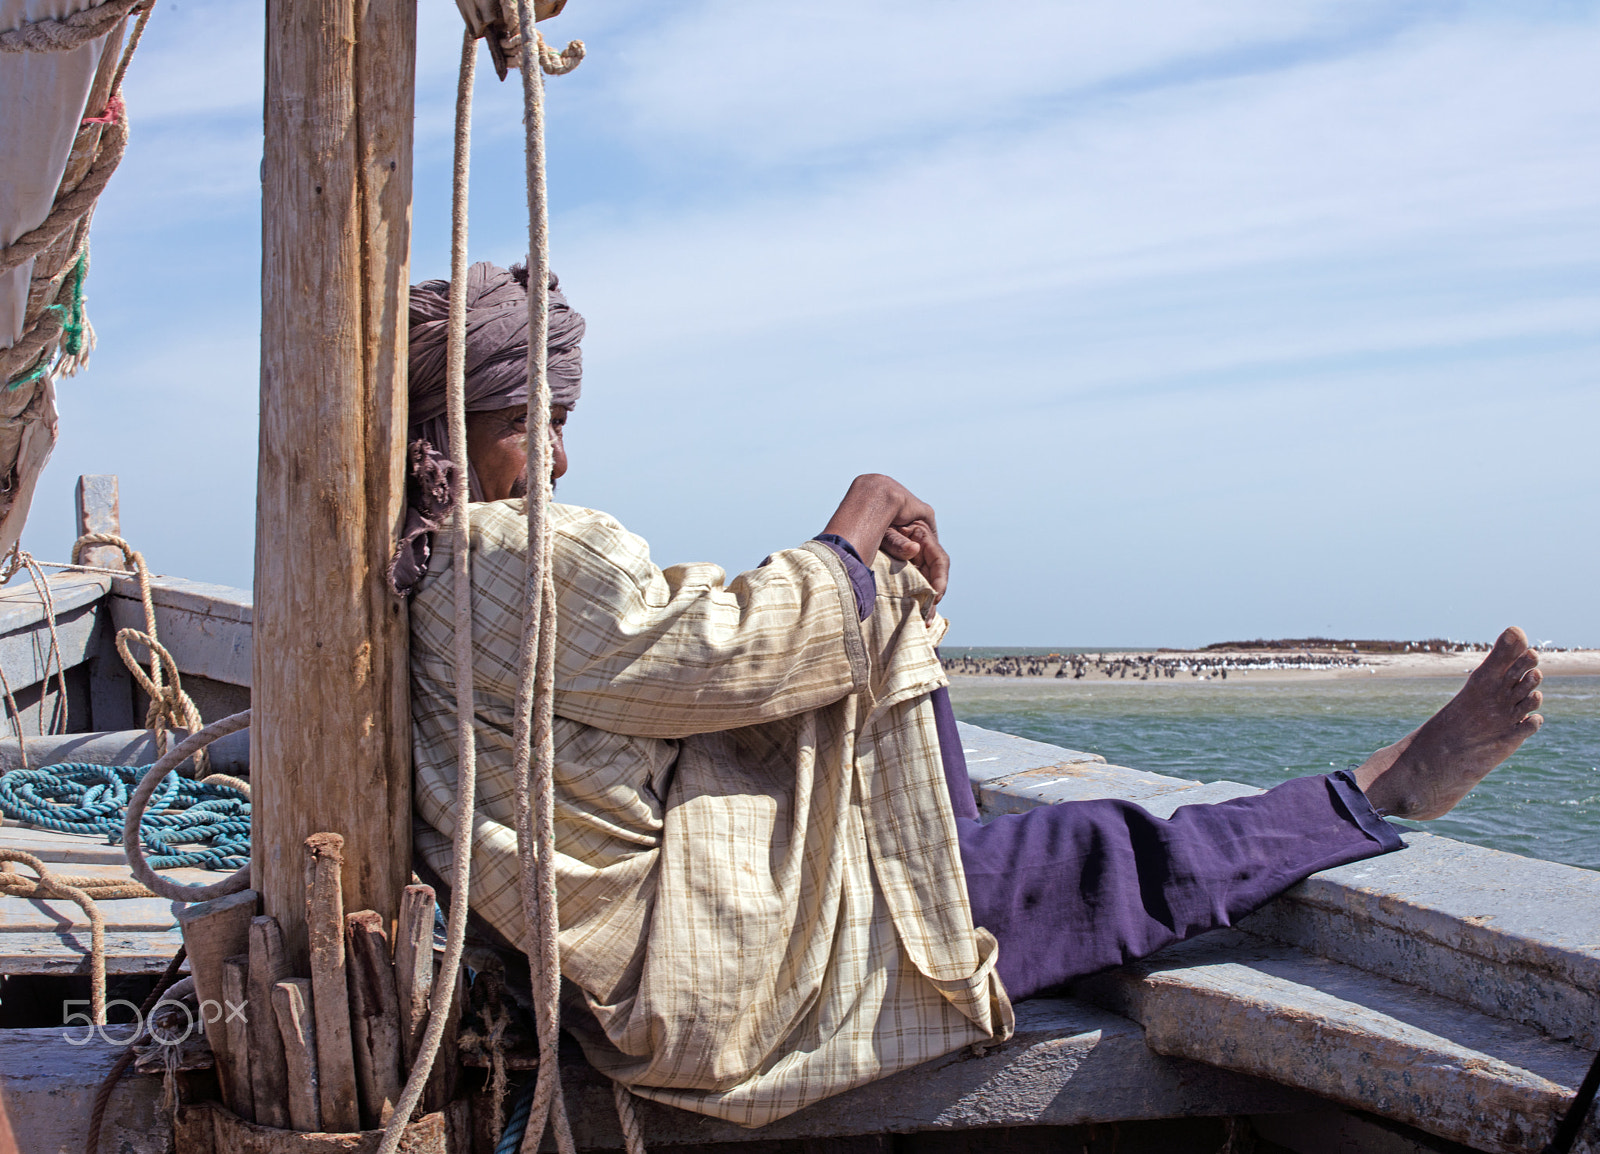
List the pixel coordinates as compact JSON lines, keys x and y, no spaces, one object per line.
{"x":329,"y":1052}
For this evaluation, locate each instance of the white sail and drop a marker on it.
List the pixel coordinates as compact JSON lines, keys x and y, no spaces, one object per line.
{"x":46,"y":151}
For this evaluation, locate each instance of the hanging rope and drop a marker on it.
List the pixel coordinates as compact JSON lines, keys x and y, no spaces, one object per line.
{"x":466,"y":753}
{"x":532,"y":741}
{"x":102,"y":1096}
{"x":50,"y":886}
{"x":17,"y":561}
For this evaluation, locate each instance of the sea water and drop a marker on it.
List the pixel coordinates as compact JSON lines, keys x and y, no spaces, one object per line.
{"x":1544,"y":802}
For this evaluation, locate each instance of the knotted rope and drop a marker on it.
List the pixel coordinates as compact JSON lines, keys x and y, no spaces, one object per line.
{"x":170,"y":707}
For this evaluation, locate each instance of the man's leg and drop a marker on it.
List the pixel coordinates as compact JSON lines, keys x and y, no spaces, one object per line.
{"x":1073,"y":888}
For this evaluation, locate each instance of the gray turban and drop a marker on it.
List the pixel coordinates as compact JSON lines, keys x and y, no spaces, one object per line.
{"x":496,"y":378}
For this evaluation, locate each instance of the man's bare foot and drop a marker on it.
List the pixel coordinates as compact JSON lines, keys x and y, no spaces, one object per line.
{"x":1425,"y":773}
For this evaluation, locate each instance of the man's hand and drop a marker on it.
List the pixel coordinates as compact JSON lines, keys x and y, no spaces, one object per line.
{"x":879,"y":513}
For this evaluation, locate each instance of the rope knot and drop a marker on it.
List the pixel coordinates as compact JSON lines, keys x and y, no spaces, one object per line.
{"x":559,"y":63}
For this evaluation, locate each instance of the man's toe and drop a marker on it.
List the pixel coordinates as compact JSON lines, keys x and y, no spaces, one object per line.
{"x":1510,"y":646}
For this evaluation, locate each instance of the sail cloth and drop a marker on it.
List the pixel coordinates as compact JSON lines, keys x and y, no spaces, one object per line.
{"x":45,"y":151}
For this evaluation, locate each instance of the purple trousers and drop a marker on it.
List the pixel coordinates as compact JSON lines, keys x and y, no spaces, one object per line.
{"x":1073,"y":888}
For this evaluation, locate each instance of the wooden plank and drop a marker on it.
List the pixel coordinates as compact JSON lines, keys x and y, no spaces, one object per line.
{"x":269,"y":1075}
{"x":293,"y":1008}
{"x":324,"y":921}
{"x":21,"y":607}
{"x":236,"y":1025}
{"x":374,"y":1017}
{"x":68,"y":953}
{"x":25,"y":652}
{"x":86,"y":854}
{"x":230,"y":754}
{"x":203,"y":644}
{"x":225,"y":602}
{"x":331,"y":740}
{"x":53,"y":916}
{"x":212,"y":932}
{"x":100,"y":511}
{"x":413,"y":967}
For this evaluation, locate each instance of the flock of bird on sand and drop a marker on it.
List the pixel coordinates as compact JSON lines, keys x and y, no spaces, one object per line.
{"x":1145,"y":666}
{"x":1142,"y":666}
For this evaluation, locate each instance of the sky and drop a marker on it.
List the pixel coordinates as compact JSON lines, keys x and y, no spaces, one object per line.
{"x":1193,"y":322}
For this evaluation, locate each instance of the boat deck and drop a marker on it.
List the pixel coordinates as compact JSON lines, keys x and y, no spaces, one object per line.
{"x":52,"y":937}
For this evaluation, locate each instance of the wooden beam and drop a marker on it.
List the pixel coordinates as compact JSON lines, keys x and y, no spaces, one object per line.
{"x":330,"y":996}
{"x":236,"y":1024}
{"x":269,"y":1076}
{"x":374,"y":1017}
{"x":330,"y":739}
{"x":292,"y":1008}
{"x":100,"y":511}
{"x":212,"y":932}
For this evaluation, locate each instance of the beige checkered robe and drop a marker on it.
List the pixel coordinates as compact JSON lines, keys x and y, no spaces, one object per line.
{"x":761,"y":892}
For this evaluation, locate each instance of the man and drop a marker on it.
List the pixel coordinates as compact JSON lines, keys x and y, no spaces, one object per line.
{"x":774,"y":885}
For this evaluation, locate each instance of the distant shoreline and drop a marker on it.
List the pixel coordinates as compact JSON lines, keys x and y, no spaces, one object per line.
{"x":1241,"y":666}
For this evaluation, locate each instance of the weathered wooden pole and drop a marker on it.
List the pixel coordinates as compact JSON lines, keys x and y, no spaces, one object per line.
{"x":330,"y":739}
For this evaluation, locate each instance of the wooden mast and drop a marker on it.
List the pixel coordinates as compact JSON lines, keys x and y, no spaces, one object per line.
{"x":330,"y":739}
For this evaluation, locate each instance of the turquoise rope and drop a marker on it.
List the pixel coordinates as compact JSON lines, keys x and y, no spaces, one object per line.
{"x":76,"y":797}
{"x":72,"y":327}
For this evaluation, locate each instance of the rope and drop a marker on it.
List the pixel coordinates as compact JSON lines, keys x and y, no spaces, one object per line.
{"x":510,"y":1139}
{"x":41,"y":586}
{"x":170,"y":707}
{"x":466,"y":754}
{"x":133,"y":820}
{"x":80,"y":798}
{"x":535,"y":741}
{"x":50,"y":886}
{"x":102,"y":1096}
{"x":57,"y":338}
{"x":67,"y":32}
{"x":77,"y":204}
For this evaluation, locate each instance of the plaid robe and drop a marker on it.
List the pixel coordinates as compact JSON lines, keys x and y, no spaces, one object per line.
{"x":761,"y":891}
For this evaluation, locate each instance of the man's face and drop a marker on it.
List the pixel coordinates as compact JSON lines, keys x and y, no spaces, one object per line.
{"x":497,"y":448}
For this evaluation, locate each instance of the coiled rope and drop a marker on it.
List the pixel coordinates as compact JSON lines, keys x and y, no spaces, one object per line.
{"x":133,"y":819}
{"x":81,"y":798}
